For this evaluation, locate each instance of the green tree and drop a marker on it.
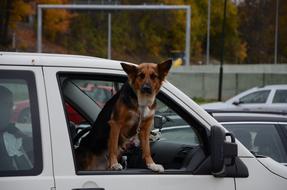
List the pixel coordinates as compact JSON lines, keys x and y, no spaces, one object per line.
{"x":282,"y":40}
{"x":257,"y":29}
{"x":11,"y":13}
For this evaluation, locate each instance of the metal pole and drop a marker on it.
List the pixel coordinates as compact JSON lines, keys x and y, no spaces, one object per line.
{"x":222,"y":53}
{"x":187,"y":36}
{"x":208,"y":32}
{"x":120,"y":8}
{"x":276,"y":33}
{"x":114,"y":7}
{"x":39,"y":30}
{"x":109,"y":36}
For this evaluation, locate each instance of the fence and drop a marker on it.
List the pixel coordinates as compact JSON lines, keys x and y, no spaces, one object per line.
{"x":202,"y":81}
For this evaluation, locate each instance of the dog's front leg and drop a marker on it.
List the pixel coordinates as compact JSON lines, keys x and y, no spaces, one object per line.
{"x":144,"y":138}
{"x":113,"y":146}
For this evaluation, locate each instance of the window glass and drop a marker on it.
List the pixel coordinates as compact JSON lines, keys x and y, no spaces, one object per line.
{"x":262,"y":139}
{"x":280,"y":96}
{"x":174,"y":128}
{"x":169,"y":127}
{"x":255,"y":97}
{"x":99,"y":91}
{"x":18,"y":127}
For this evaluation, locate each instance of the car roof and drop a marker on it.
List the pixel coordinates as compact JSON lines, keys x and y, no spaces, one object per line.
{"x":59,"y":60}
{"x":276,"y":86}
{"x":248,"y":117}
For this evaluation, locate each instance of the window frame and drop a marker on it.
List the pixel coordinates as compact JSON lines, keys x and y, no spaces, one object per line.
{"x":200,"y":131}
{"x":29,"y":77}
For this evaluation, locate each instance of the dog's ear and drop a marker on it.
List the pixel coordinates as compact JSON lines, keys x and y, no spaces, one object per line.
{"x":130,"y":69}
{"x":163,"y":68}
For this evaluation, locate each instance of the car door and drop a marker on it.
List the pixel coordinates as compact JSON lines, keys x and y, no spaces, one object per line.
{"x":67,"y":176}
{"x":25,"y":154}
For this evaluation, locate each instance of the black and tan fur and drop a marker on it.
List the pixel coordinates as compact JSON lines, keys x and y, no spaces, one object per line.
{"x":127,"y":114}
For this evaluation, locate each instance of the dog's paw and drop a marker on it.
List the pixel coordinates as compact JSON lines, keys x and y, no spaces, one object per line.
{"x":117,"y":167}
{"x":155,"y":167}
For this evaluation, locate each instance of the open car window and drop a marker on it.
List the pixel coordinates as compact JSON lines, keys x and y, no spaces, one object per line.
{"x":172,"y":127}
{"x":175,"y":135}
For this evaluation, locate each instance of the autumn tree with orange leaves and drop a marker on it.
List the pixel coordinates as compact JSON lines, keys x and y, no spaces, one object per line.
{"x":56,"y":21}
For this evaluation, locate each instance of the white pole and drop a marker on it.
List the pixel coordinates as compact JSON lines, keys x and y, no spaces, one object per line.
{"x":187,"y":36}
{"x":39,"y":30}
{"x":109,"y":36}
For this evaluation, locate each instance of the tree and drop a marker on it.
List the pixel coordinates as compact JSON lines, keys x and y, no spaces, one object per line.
{"x":56,"y":21}
{"x":257,"y":29}
{"x":12,"y":12}
{"x":282,"y":40}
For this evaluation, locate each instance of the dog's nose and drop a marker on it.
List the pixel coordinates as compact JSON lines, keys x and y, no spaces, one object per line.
{"x":146,"y":88}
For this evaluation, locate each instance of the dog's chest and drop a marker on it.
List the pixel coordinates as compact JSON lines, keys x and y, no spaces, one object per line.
{"x":136,"y":118}
{"x":145,"y":112}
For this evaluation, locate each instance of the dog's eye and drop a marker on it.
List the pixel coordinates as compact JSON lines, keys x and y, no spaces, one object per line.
{"x":141,"y":76}
{"x":153,"y":76}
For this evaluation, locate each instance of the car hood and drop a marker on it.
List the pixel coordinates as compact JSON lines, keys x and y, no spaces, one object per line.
{"x":273,"y":166}
{"x":217,"y":105}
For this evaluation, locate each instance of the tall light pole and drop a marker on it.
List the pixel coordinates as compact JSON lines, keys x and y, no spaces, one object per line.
{"x":208,"y":33}
{"x":222,"y":53}
{"x":276,"y":33}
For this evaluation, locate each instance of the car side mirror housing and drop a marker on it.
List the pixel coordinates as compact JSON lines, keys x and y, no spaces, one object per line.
{"x":236,"y":102}
{"x":159,"y":121}
{"x":223,"y":153}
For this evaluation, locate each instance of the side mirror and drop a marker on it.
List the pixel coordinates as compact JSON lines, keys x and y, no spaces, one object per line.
{"x":159,"y":121}
{"x":223,"y":153}
{"x":236,"y":102}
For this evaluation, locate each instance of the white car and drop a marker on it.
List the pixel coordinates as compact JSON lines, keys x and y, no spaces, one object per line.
{"x":272,"y":98}
{"x":39,"y":154}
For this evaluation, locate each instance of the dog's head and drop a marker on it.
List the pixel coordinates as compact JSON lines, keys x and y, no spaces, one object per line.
{"x":146,"y":79}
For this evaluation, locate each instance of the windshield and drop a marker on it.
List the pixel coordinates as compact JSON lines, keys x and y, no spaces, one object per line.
{"x":260,"y":139}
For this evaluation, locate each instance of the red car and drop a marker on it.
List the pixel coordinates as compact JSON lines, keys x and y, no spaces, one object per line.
{"x":100,"y":94}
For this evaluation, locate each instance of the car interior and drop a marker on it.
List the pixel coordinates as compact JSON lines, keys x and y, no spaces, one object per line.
{"x":174,"y":156}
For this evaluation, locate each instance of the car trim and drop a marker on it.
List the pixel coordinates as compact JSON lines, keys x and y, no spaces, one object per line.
{"x":253,"y":122}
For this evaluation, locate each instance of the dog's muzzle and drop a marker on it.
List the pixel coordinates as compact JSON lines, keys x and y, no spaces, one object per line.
{"x":146,"y":88}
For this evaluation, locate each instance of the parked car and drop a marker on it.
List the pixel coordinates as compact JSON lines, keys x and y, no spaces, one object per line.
{"x":21,"y":112}
{"x":100,"y":94}
{"x":212,"y":159}
{"x":263,"y":134}
{"x":266,"y":98}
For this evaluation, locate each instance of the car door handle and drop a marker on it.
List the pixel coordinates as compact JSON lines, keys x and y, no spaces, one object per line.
{"x":89,"y":188}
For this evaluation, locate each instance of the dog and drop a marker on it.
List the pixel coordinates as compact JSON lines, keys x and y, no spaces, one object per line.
{"x":129,"y":113}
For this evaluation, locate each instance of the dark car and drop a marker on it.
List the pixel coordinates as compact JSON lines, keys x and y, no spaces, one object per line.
{"x":264,"y":134}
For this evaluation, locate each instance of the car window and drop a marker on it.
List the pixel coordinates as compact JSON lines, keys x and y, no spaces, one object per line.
{"x":280,"y":96}
{"x":171,"y":130}
{"x":255,"y":97}
{"x":99,"y":91}
{"x":174,"y":128}
{"x":19,"y":125}
{"x":262,"y":139}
